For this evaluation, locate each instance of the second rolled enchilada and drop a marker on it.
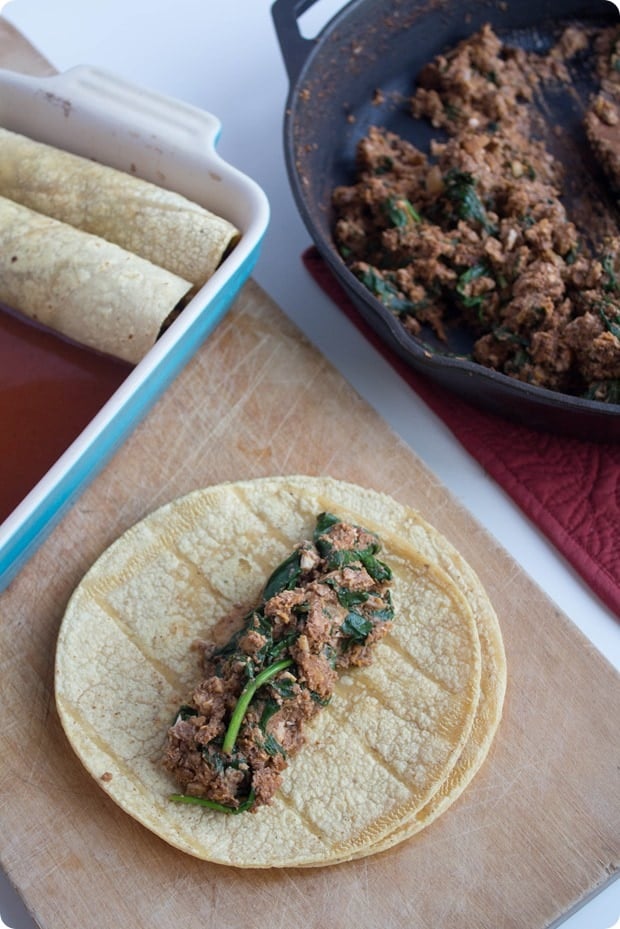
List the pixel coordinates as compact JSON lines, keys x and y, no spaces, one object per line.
{"x":100,"y":256}
{"x":155,"y":223}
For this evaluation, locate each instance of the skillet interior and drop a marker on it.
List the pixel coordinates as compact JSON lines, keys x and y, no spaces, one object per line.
{"x":374,"y":44}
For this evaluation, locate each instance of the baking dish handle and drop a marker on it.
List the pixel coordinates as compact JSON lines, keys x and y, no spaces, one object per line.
{"x":294,"y":47}
{"x":99,"y":96}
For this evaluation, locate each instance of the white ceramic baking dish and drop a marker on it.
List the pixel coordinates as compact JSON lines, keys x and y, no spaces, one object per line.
{"x":98,"y":115}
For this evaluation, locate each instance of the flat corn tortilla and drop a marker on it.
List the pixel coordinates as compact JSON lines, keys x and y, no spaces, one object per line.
{"x":375,"y":757}
{"x":82,"y":286}
{"x":157,"y":224}
{"x":493,"y":680}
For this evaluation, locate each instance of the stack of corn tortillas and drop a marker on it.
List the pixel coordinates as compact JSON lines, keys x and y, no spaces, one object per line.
{"x":99,"y":255}
{"x":400,"y":739}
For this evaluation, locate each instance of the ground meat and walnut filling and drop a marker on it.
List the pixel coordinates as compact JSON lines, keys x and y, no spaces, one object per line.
{"x":476,"y":231}
{"x":320,"y":612}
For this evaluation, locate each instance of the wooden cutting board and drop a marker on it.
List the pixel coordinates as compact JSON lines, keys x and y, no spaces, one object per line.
{"x":536,"y":832}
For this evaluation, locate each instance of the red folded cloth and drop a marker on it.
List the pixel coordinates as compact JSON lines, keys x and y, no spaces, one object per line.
{"x":568,"y":487}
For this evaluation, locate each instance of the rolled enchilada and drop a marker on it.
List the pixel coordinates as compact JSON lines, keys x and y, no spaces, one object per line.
{"x":83,"y":286}
{"x":157,"y":224}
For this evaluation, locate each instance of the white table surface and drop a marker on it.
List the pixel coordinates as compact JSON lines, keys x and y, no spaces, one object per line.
{"x":225,"y":58}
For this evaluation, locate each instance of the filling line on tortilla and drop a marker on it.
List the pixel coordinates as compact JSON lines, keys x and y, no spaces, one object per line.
{"x":406,"y":656}
{"x":321,"y":609}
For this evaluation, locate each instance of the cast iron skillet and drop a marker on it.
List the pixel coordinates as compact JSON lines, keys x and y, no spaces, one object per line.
{"x":382,"y":44}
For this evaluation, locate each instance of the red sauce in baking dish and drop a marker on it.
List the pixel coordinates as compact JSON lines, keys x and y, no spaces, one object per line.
{"x":50,"y":389}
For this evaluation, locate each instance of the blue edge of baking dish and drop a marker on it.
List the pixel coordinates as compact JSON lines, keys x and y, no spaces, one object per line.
{"x":32,"y":531}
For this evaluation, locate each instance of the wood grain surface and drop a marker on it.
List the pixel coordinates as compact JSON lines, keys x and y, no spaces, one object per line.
{"x":536,"y":832}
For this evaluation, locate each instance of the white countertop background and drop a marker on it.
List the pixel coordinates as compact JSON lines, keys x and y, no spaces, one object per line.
{"x":225,"y":58}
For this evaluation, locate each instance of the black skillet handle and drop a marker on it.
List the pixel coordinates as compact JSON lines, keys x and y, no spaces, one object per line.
{"x":294,"y":47}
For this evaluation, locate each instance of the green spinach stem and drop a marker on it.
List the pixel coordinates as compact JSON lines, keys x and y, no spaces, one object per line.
{"x":245,"y":699}
{"x":213,"y":804}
